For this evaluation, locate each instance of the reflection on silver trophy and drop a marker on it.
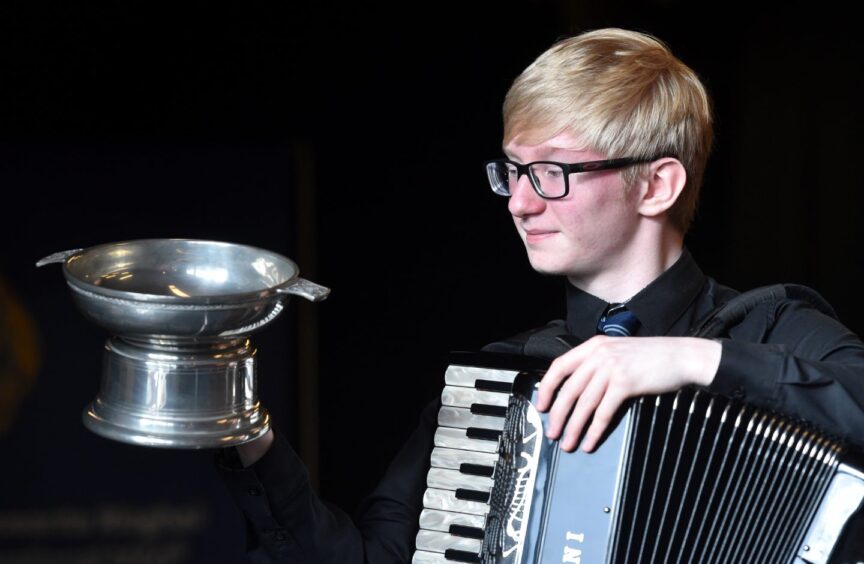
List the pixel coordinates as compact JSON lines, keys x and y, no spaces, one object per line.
{"x":179,"y":370}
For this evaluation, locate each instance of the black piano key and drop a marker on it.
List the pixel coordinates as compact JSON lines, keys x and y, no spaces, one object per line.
{"x":493,"y":386}
{"x":472,"y":495}
{"x":483,"y":434}
{"x":476,"y":469}
{"x":468,"y":532}
{"x":494,"y":410}
{"x":461,"y":556}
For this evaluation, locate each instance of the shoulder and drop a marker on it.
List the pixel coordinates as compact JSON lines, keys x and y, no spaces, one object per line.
{"x":804,"y":322}
{"x":732,"y":308}
{"x":791,"y":315}
{"x":717,"y":293}
{"x":546,"y":342}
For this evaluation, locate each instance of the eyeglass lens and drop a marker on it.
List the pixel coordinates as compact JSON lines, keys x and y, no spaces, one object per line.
{"x":548,"y":178}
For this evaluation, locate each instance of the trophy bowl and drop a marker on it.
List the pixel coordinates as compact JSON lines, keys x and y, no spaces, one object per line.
{"x":179,"y":370}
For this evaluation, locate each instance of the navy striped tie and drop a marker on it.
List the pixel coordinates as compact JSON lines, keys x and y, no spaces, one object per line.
{"x":618,"y":321}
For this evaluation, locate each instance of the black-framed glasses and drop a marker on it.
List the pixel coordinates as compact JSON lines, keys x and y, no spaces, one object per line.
{"x":550,"y":179}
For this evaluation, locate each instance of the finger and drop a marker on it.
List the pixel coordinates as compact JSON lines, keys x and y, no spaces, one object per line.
{"x":564,"y":401}
{"x":561,"y":369}
{"x":588,"y":402}
{"x":603,"y":416}
{"x":568,"y":396}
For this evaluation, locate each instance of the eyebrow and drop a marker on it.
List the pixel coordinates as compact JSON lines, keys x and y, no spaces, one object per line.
{"x":548,"y":156}
{"x":548,"y":151}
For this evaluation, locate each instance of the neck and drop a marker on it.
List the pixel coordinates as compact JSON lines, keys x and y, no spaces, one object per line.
{"x":634,"y":270}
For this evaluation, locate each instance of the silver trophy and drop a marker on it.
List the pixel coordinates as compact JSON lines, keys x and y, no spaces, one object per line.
{"x":179,"y":370}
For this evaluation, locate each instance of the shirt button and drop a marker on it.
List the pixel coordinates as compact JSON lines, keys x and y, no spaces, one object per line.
{"x":253,"y":491}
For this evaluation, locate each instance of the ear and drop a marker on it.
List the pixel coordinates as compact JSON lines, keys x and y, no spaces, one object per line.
{"x":662,"y":186}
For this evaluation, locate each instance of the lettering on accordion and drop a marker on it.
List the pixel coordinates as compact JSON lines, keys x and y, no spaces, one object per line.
{"x":684,"y":477}
{"x":571,"y":553}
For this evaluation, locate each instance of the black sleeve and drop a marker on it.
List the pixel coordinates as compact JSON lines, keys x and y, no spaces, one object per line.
{"x":287,"y":522}
{"x":789,"y":357}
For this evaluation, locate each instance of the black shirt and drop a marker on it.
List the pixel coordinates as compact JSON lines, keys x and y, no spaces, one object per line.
{"x":785,"y":355}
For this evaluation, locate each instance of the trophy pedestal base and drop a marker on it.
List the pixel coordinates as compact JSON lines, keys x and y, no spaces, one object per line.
{"x":177,"y":430}
{"x":178,"y":394}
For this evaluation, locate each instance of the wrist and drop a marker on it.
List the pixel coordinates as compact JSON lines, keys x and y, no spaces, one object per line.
{"x":706,"y":360}
{"x":253,"y":451}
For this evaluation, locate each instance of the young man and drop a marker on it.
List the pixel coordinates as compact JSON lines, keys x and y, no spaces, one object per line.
{"x":617,"y":235}
{"x":606,"y":139}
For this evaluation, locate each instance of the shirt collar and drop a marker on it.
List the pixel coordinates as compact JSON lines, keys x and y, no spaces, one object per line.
{"x":658,"y":306}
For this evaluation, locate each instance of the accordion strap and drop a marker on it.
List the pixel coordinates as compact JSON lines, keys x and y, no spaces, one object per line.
{"x":547,"y":342}
{"x":729,"y":314}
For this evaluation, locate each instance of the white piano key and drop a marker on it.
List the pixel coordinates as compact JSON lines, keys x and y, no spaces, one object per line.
{"x":424,"y":557}
{"x":464,"y":397}
{"x":435,"y":541}
{"x":454,"y":458}
{"x":457,"y":438}
{"x":434,"y":498}
{"x":446,"y":479}
{"x":437,"y":520}
{"x":463,"y":418}
{"x":467,"y":375}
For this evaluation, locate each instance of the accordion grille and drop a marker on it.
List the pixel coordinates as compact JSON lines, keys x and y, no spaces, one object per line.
{"x":708,"y":480}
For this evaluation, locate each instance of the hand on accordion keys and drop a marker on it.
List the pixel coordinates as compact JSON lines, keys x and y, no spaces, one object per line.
{"x":598,"y":376}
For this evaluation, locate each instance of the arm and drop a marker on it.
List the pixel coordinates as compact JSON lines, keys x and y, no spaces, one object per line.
{"x":793,"y":359}
{"x":287,"y":521}
{"x":598,"y":376}
{"x":284,"y":516}
{"x":784,"y":356}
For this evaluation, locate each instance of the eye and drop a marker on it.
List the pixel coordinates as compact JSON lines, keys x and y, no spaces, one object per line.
{"x":548,"y":171}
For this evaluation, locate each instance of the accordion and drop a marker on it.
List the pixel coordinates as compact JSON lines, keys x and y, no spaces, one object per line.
{"x":682,"y":477}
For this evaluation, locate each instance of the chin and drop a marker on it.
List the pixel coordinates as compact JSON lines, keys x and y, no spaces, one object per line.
{"x":548,"y":268}
{"x":558,"y":264}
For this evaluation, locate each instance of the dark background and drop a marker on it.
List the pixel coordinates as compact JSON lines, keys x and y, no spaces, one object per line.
{"x":123,"y":120}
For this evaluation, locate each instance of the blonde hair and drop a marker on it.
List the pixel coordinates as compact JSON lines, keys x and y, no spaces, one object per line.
{"x":624,"y":94}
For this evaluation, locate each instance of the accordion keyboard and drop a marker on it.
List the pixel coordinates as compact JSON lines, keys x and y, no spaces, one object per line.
{"x":461,"y":476}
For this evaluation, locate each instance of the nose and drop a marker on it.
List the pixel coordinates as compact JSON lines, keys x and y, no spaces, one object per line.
{"x":524,"y":200}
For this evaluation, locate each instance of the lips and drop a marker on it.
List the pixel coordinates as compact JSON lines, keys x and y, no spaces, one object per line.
{"x":537,"y":235}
